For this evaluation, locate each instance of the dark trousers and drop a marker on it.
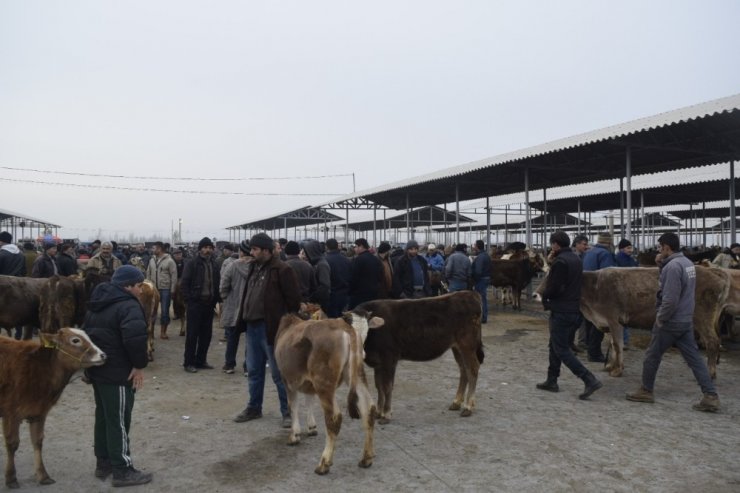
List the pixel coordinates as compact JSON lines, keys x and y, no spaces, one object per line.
{"x":199,"y":332}
{"x":594,"y":337}
{"x":337,"y":304}
{"x":233,"y":334}
{"x":113,"y":406}
{"x":562,"y":326}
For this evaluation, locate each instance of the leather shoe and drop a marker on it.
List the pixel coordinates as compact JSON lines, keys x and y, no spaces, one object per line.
{"x":592,"y":384}
{"x":191,"y":369}
{"x":247,"y":415}
{"x":551,"y":385}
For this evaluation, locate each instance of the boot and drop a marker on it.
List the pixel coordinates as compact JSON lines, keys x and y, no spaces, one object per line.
{"x":103,"y":468}
{"x":709,"y":403}
{"x":551,"y":385}
{"x":592,"y":385}
{"x":130,"y":477}
{"x":642,"y":395}
{"x":163,"y":331}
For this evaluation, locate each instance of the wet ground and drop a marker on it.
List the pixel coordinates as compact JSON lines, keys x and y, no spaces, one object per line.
{"x":518,"y":439}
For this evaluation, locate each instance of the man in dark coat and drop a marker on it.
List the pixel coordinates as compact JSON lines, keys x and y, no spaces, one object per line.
{"x":46,"y":265}
{"x":481,"y":273}
{"x":116,"y":324}
{"x":303,"y":270}
{"x":12,"y":260}
{"x":562,"y":296}
{"x":367,"y":275}
{"x":322,"y":273}
{"x":200,"y":290}
{"x":412,"y":273}
{"x":270,"y":292}
{"x":66,"y":261}
{"x":341,"y":275}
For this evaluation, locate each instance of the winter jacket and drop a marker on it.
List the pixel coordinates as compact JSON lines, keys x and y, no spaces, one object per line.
{"x":481,"y":267}
{"x":675,"y":300}
{"x":67,"y":264}
{"x":193,"y":277}
{"x":116,"y":323}
{"x":367,"y":276}
{"x":44,"y":266}
{"x":457,"y":267}
{"x":624,"y":260}
{"x":563,"y":289}
{"x":162,"y":271}
{"x":233,"y":281}
{"x":598,"y":257}
{"x":12,"y":261}
{"x":341,"y":271}
{"x":436,"y":262}
{"x":282,"y":294}
{"x":322,"y":272}
{"x":31,"y":256}
{"x":101,"y":266}
{"x":305,"y":275}
{"x":403,"y":272}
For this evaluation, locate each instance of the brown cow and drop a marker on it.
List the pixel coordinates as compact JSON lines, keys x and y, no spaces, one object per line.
{"x":517,"y":272}
{"x":179,"y":308}
{"x":423,"y":330}
{"x":63,"y":300}
{"x":19,"y":303}
{"x":625,"y":296}
{"x":149,"y":299}
{"x":315,"y":357}
{"x":32,"y":378}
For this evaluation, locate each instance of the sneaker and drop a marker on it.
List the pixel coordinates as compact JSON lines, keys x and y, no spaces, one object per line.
{"x":551,"y":385}
{"x":642,"y":395}
{"x":287,"y":421}
{"x":708,"y":404}
{"x":592,"y":385}
{"x":103,"y":469}
{"x":191,"y":369}
{"x":247,"y":415}
{"x":229,"y":370}
{"x":130,"y":477}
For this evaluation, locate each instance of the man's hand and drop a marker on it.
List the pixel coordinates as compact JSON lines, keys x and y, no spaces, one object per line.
{"x":137,"y":375}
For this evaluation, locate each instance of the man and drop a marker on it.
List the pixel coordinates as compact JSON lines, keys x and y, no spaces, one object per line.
{"x":411,"y":273}
{"x":45,"y":265}
{"x":386,"y":287}
{"x":271,"y":290}
{"x":624,"y":259}
{"x":233,"y":281}
{"x":562,"y":297}
{"x":66,"y":260}
{"x":580,"y":245}
{"x":95,"y":248}
{"x":597,"y":258}
{"x":179,"y":262}
{"x":367,"y":275}
{"x":436,"y":267}
{"x":12,"y":261}
{"x":118,"y":253}
{"x":140,"y":258}
{"x":457,"y":269}
{"x":226,"y":252}
{"x":116,"y":324}
{"x":200,"y":284}
{"x":30,"y":253}
{"x":104,"y":262}
{"x":674,"y":325}
{"x":322,"y":273}
{"x":279,"y":248}
{"x":162,"y":271}
{"x":340,"y":268}
{"x":303,"y":270}
{"x":481,"y":272}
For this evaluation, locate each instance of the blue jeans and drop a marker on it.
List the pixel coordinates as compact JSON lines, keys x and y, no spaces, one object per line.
{"x":258,"y":354}
{"x":481,"y":287}
{"x":166,"y":299}
{"x":455,"y":285}
{"x":562,"y":326}
{"x":682,"y":335}
{"x":232,"y":345}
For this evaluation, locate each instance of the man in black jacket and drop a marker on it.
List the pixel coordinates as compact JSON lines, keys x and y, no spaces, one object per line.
{"x":411,"y":273}
{"x":12,"y":260}
{"x":341,"y":275}
{"x":45,"y":265}
{"x":562,"y":297}
{"x":116,"y":324}
{"x":200,"y":282}
{"x":66,"y":260}
{"x":367,"y":274}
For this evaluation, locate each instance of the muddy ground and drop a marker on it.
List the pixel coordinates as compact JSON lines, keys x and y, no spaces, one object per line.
{"x":518,"y":439}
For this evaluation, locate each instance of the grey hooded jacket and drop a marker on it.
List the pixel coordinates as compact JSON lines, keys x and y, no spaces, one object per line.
{"x":675,"y":299}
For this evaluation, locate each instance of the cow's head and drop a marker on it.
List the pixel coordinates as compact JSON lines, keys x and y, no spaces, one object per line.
{"x":75,"y":346}
{"x":538,"y":261}
{"x":362,"y":321}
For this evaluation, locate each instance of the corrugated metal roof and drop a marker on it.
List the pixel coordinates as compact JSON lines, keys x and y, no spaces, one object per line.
{"x":303,"y":216}
{"x":6,"y":214}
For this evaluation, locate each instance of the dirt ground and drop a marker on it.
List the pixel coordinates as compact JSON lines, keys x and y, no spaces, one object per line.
{"x":518,"y":439}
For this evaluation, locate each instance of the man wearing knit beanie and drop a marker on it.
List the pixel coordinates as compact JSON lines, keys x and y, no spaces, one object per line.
{"x":597,"y":258}
{"x":200,"y":289}
{"x":12,"y":260}
{"x":271,"y":290}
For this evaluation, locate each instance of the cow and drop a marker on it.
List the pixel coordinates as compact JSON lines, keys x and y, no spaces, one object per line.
{"x":19,"y":303}
{"x":179,"y":308}
{"x":63,"y":300}
{"x":33,"y":376}
{"x":315,"y":357}
{"x":625,"y":296}
{"x":516,"y":272}
{"x":149,"y":299}
{"x":423,"y":330}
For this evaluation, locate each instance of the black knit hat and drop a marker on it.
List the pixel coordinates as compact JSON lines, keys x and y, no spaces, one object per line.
{"x":6,"y":237}
{"x":206,"y":241}
{"x":384,"y":247}
{"x":244,"y":246}
{"x":261,"y":240}
{"x":624,"y":243}
{"x":127,"y":275}
{"x":292,"y":248}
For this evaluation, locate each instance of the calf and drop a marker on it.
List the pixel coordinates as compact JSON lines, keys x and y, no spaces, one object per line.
{"x":423,"y":330}
{"x":516,"y":272}
{"x":149,"y":299}
{"x":625,"y":296}
{"x":19,"y":303}
{"x":32,"y":378}
{"x":179,"y":308}
{"x":315,"y":357}
{"x":62,"y":303}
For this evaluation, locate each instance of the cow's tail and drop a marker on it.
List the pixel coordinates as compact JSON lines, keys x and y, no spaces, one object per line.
{"x":356,"y":373}
{"x":479,"y":352}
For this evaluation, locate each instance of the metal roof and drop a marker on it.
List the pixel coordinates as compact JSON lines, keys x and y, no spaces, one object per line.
{"x":554,"y":221}
{"x":698,"y":212}
{"x":6,"y":215}
{"x":304,"y":216}
{"x":705,"y":133}
{"x":424,"y":216}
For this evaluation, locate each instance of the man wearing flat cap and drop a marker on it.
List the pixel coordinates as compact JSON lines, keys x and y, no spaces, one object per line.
{"x":412,"y":273}
{"x":599,"y":257}
{"x":200,"y":284}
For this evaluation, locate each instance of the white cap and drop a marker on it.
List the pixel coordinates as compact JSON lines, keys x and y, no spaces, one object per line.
{"x":431,"y":246}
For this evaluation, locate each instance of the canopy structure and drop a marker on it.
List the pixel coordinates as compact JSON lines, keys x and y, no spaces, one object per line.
{"x":700,"y":211}
{"x":13,"y":222}
{"x":303,"y":217}
{"x":418,"y":218}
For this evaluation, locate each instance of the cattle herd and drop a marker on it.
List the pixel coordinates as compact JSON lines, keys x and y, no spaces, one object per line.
{"x":317,"y":354}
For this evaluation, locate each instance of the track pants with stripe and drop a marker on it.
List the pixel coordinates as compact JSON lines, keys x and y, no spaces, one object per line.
{"x":113,"y":405}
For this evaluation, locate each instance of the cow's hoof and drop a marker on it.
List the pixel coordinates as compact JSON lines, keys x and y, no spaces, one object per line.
{"x":312,"y":432}
{"x":321,"y":470}
{"x":47,"y":480}
{"x":365,"y":462}
{"x":616,"y":372}
{"x":294,"y":441}
{"x":383,"y":420}
{"x":150,"y":357}
{"x":455,"y":406}
{"x":466,"y":413}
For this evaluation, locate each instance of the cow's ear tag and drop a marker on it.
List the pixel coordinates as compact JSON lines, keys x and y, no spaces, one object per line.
{"x":375,"y":322}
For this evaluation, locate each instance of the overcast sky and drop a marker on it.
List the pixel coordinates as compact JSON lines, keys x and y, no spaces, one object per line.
{"x":384,"y":90}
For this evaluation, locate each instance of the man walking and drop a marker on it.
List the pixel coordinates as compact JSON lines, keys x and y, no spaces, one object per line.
{"x":271,"y":290}
{"x":674,"y":325}
{"x":162,"y":271}
{"x":562,"y":297}
{"x":481,"y":270}
{"x":596,"y":258}
{"x":200,"y":283}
